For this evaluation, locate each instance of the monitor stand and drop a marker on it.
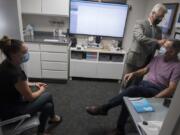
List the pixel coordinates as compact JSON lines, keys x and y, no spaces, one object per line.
{"x":98,"y":39}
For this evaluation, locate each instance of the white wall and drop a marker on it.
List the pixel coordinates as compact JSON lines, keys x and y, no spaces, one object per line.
{"x":137,"y":12}
{"x":9,"y":19}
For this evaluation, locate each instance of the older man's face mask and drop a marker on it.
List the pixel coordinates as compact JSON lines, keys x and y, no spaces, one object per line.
{"x":162,"y":50}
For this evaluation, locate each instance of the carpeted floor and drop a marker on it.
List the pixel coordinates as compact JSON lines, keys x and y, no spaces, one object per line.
{"x":71,"y":99}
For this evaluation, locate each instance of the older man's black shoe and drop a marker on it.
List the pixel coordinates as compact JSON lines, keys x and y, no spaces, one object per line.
{"x":96,"y":110}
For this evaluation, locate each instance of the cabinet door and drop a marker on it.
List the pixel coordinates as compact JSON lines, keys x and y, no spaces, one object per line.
{"x":49,"y":65}
{"x":83,"y":69}
{"x":33,"y":66}
{"x":31,"y":6}
{"x":109,"y":70}
{"x":54,"y":48}
{"x":45,"y":56}
{"x":54,"y":74}
{"x":56,"y":7}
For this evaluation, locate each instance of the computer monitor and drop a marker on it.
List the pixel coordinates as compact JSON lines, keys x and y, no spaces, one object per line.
{"x":98,"y":19}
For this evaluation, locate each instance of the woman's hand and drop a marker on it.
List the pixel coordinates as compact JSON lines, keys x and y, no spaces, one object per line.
{"x":26,"y":92}
{"x":40,"y":84}
{"x":42,"y":88}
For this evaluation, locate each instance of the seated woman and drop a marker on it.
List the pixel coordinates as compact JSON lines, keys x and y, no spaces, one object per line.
{"x":16,"y":96}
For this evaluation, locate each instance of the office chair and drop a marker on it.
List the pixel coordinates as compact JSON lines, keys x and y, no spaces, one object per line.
{"x":18,"y":125}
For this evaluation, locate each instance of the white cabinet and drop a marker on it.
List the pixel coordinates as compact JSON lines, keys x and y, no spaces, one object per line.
{"x":109,"y":70}
{"x":47,"y":61}
{"x":54,"y":65}
{"x":47,"y":56}
{"x":49,"y":7}
{"x":53,"y":48}
{"x":83,"y":69}
{"x":31,"y":6}
{"x":33,"y":66}
{"x":54,"y":59}
{"x":96,"y":63}
{"x":52,"y":74}
{"x":55,"y":7}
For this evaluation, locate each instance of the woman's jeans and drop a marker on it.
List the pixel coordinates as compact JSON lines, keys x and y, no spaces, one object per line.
{"x":43,"y":104}
{"x":143,"y":89}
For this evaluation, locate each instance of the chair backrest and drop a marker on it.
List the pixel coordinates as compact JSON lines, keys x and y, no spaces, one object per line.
{"x":18,"y":125}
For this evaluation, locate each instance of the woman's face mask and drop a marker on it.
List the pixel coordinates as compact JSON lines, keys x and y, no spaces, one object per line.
{"x":25,"y":58}
{"x":162,"y":50}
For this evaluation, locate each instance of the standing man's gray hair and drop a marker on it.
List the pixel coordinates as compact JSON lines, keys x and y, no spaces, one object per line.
{"x":158,"y":7}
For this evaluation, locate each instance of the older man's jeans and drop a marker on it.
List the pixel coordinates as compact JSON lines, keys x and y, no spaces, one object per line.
{"x":143,"y":89}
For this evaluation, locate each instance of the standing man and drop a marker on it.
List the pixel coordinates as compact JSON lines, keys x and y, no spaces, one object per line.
{"x":147,"y":37}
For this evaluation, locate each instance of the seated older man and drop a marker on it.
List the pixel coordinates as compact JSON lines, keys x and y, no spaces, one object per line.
{"x":163,"y":74}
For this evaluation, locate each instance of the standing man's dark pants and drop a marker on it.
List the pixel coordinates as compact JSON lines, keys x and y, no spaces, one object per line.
{"x":144,"y":89}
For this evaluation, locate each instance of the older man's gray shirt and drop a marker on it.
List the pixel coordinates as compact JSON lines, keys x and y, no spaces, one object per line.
{"x":144,"y":43}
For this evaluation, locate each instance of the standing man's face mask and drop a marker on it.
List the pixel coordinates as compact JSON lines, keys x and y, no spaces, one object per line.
{"x":158,"y":17}
{"x":157,"y":21}
{"x":25,"y":58}
{"x":162,"y":50}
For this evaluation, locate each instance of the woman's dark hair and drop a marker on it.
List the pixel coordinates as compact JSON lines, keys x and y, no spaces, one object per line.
{"x":9,"y":46}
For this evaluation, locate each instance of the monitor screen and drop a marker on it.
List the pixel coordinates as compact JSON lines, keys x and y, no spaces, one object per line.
{"x":99,"y":19}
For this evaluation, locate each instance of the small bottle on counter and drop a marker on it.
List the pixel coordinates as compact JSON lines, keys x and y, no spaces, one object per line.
{"x":29,"y":30}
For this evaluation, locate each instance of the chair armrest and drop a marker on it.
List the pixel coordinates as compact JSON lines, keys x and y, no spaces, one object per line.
{"x":15,"y":119}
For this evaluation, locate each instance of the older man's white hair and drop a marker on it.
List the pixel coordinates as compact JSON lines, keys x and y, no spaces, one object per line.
{"x":159,"y":7}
